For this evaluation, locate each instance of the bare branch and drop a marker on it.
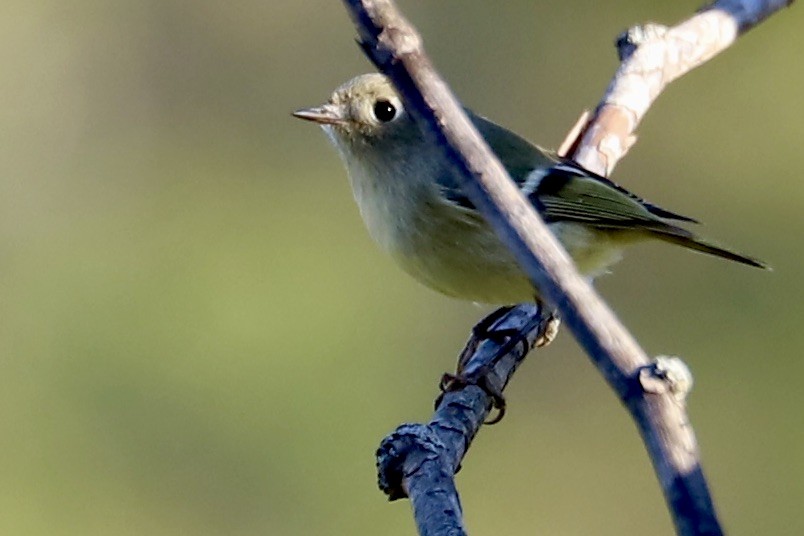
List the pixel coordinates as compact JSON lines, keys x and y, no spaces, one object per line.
{"x":652,"y":57}
{"x":650,"y":391}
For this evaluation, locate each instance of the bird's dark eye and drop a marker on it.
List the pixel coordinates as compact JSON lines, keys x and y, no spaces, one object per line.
{"x":384,"y":111}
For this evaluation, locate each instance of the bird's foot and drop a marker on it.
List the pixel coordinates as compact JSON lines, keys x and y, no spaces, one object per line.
{"x":550,"y":331}
{"x":484,"y":331}
{"x":454,"y":382}
{"x":506,"y":339}
{"x":480,"y":372}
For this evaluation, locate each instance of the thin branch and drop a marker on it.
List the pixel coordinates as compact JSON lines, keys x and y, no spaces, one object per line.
{"x":652,"y":57}
{"x":646,"y":389}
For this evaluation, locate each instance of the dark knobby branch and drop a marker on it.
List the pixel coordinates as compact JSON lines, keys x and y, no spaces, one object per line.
{"x":648,"y":390}
{"x":420,"y":460}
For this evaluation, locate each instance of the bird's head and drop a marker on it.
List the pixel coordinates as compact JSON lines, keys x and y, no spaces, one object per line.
{"x":365,"y":114}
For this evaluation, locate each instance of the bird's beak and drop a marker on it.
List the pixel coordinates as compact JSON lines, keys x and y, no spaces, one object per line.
{"x":327,"y":114}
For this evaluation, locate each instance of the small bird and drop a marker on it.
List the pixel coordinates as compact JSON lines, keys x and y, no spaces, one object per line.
{"x":412,"y":204}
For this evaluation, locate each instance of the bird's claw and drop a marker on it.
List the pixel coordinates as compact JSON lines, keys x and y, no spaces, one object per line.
{"x":484,"y":330}
{"x":479,"y":374}
{"x":550,"y":331}
{"x":454,"y":382}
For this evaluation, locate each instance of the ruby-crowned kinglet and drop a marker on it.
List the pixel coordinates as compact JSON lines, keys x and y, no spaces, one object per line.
{"x":411,"y":203}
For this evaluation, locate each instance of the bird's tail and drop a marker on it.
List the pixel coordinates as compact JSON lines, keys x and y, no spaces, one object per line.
{"x":682,"y":237}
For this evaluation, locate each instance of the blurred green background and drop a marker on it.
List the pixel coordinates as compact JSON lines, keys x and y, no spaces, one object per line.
{"x":197,"y":336}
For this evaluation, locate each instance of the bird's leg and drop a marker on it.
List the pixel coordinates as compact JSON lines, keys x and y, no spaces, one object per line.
{"x":483,"y":331}
{"x":507,"y":340}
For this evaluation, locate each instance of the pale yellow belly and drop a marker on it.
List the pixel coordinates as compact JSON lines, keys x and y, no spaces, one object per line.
{"x":479,"y":268}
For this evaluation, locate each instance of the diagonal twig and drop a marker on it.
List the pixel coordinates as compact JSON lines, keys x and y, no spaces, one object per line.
{"x":652,"y":57}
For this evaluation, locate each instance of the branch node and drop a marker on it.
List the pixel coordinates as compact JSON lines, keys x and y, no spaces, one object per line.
{"x":632,"y":38}
{"x":667,"y":374}
{"x":395,"y":454}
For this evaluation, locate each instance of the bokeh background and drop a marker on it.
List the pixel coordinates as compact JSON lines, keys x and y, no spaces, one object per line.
{"x":197,"y":336}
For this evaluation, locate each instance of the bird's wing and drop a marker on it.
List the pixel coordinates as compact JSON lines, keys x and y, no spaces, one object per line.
{"x":568,"y":192}
{"x":561,"y":189}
